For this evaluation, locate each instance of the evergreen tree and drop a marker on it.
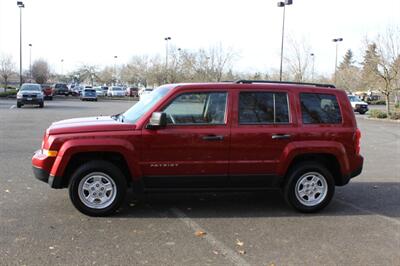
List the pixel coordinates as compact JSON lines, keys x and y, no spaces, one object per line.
{"x":348,"y":60}
{"x":370,"y":66}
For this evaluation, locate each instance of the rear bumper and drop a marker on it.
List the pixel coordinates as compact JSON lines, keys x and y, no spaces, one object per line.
{"x":357,"y":171}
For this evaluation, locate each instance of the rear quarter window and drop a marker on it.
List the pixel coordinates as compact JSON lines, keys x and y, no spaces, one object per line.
{"x":320,"y":108}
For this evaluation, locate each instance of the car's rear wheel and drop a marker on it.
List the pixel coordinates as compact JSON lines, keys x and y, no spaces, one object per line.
{"x":97,"y":188}
{"x":362,"y":112}
{"x":309,"y":187}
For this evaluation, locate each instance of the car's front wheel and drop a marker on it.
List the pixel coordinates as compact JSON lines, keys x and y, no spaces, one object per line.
{"x":309,"y":187}
{"x":97,"y":188}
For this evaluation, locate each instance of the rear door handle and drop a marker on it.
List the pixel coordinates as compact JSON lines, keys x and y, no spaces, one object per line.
{"x":281,"y":136}
{"x":212,"y":138}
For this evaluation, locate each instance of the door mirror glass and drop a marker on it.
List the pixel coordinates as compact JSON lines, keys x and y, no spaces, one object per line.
{"x":157,"y":120}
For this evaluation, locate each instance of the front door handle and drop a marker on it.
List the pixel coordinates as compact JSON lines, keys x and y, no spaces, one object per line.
{"x":281,"y":136}
{"x":212,"y":138}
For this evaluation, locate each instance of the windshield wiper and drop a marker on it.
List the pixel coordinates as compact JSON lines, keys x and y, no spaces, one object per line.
{"x":115,"y":117}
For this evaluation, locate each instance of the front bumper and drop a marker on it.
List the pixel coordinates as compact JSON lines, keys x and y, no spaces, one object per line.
{"x":41,"y":162}
{"x":362,"y":108}
{"x":32,"y":101}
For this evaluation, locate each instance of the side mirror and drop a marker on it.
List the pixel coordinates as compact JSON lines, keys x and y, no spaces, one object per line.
{"x":157,"y":120}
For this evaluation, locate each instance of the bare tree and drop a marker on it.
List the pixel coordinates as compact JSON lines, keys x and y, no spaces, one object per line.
{"x":88,"y":73}
{"x":40,"y":71}
{"x":298,"y":59}
{"x":387,"y":71}
{"x":7,"y":68}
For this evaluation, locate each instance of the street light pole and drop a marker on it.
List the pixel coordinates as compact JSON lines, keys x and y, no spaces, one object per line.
{"x":283,"y":4}
{"x":166,"y":51}
{"x":20,"y":5}
{"x":312,"y":69}
{"x":115,"y":69}
{"x":62,"y":67}
{"x":166,"y":57}
{"x":30,"y":60}
{"x":336,"y":41}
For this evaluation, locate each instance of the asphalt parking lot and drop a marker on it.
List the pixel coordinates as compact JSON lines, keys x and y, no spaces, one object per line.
{"x":39,"y":226}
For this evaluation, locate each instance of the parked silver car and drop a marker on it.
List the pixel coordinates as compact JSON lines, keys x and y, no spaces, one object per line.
{"x":116,"y":91}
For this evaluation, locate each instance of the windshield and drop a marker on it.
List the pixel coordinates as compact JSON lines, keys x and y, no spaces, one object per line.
{"x":144,"y":105}
{"x":30,"y":87}
{"x":354,"y":99}
{"x":117,"y":89}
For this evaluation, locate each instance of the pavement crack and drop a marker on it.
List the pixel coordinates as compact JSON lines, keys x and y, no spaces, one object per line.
{"x":229,"y":253}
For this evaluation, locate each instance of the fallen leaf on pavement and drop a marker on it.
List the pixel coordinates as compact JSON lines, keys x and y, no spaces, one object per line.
{"x":242,"y":252}
{"x":215,"y":252}
{"x":200,"y":233}
{"x":239,"y":243}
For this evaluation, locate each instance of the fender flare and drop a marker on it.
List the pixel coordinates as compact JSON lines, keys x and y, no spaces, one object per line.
{"x":298,"y":148}
{"x":76,"y":146}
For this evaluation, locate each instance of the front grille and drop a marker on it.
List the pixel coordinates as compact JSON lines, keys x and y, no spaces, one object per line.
{"x":29,"y":95}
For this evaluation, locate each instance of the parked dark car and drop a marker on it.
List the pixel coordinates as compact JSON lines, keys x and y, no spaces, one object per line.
{"x":132,"y":92}
{"x":30,"y":93}
{"x":61,"y":89}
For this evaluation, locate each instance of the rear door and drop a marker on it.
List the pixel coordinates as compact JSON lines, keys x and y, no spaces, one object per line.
{"x":262,"y":127}
{"x":193,"y":149}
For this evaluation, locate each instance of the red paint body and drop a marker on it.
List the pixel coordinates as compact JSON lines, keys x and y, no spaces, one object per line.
{"x":180,"y":151}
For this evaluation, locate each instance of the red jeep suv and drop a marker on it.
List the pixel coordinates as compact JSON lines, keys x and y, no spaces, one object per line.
{"x":244,"y":135}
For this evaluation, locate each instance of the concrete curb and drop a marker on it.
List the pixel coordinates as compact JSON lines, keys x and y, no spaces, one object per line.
{"x":379,"y":119}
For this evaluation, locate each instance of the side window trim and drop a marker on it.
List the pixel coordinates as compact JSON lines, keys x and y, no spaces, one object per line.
{"x":274,"y":109}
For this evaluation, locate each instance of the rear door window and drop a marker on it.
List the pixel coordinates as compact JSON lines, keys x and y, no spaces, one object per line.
{"x":319,"y":108}
{"x":263,"y":108}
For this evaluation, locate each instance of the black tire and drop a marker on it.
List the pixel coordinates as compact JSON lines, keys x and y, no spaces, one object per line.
{"x":103,"y":167}
{"x":41,"y":105}
{"x":51,"y":98}
{"x":362,"y":112}
{"x":300,"y":171}
{"x":19,"y":105}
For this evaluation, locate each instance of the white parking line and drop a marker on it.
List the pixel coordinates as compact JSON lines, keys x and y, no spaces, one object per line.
{"x":393,"y":220}
{"x":12,"y":106}
{"x":230,"y":254}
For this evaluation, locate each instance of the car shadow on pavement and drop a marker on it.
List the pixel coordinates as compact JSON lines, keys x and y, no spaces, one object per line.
{"x":357,"y":198}
{"x":54,"y":106}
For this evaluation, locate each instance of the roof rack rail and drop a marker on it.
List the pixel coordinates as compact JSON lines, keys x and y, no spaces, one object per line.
{"x":246,"y":81}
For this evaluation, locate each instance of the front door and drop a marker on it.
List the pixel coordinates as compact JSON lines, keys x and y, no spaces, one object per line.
{"x":193,"y":149}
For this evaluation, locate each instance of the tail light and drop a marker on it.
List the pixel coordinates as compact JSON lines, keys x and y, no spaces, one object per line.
{"x":357,"y":141}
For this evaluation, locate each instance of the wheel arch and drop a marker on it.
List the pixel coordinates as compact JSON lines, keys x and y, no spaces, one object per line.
{"x":74,"y":153}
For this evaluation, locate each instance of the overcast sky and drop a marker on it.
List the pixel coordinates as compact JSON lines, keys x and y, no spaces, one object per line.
{"x":89,"y":31}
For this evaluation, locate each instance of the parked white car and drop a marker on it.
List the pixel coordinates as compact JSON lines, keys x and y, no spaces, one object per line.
{"x":99,"y":91}
{"x":358,"y":105}
{"x":144,"y":92}
{"x":116,"y":91}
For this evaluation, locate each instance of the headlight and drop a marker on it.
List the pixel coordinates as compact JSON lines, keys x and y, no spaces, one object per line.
{"x":40,"y":95}
{"x":19,"y":96}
